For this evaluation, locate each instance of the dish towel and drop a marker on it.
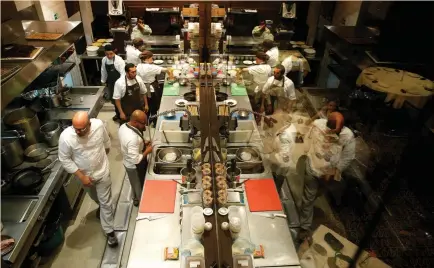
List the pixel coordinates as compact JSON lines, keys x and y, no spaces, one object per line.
{"x":170,"y":90}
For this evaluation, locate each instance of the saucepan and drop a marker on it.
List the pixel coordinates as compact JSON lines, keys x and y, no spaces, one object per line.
{"x":37,"y":152}
{"x":183,"y":81}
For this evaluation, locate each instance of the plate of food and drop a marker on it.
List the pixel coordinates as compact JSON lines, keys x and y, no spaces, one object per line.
{"x":158,"y":62}
{"x":101,"y":40}
{"x":230,"y":102}
{"x":181,"y":102}
{"x":248,"y":62}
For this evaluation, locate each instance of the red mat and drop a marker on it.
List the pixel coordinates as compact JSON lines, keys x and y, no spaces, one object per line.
{"x":262,"y":195}
{"x":158,"y":197}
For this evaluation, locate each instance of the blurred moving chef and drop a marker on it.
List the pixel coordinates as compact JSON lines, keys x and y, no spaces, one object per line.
{"x":133,"y":51}
{"x":141,"y":30}
{"x":283,"y":136}
{"x":130,"y":93}
{"x":83,"y":150}
{"x":260,"y":74}
{"x":148,"y":72}
{"x":262,"y":32}
{"x":272,"y":51}
{"x":112,"y":67}
{"x":330,"y":148}
{"x":278,"y":91}
{"x":135,"y":151}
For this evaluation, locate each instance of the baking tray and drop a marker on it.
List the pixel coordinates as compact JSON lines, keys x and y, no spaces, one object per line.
{"x":56,"y":37}
{"x":35,"y":54}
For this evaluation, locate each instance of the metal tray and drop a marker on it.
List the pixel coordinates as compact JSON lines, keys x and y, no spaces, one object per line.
{"x":36,"y":54}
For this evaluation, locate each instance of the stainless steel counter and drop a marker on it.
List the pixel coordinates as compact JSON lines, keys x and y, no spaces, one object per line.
{"x":15,"y":31}
{"x":151,"y":237}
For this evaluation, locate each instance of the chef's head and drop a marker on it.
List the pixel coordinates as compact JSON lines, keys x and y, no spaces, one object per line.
{"x":335,"y":122}
{"x":146,"y":56}
{"x":130,"y":71}
{"x":138,"y":42}
{"x":109,"y":53}
{"x":81,"y":123}
{"x":268,"y":44}
{"x":138,"y":120}
{"x":332,"y":106}
{"x":262,"y":57}
{"x":279,"y":72}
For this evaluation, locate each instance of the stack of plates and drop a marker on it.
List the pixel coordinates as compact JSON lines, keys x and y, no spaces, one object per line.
{"x":309,"y":52}
{"x":92,"y":50}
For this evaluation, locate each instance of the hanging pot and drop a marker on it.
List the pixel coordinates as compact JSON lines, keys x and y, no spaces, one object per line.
{"x":51,"y":133}
{"x":26,"y":120}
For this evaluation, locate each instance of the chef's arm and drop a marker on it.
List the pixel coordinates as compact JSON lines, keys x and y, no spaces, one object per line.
{"x":103,"y":73}
{"x":65,"y":158}
{"x":347,"y":155}
{"x":119,"y":106}
{"x":308,"y":139}
{"x":145,"y":100}
{"x":134,"y":152}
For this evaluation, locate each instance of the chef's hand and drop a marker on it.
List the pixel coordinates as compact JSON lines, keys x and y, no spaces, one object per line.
{"x":329,"y":177}
{"x":148,"y":150}
{"x":140,"y":26}
{"x":146,"y":108}
{"x":86,"y":180}
{"x":123,"y":116}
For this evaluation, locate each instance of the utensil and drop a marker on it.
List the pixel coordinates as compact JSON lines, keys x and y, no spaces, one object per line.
{"x":37,"y":152}
{"x":181,"y":102}
{"x":243,"y":114}
{"x":51,"y":133}
{"x":150,"y":218}
{"x":271,"y":215}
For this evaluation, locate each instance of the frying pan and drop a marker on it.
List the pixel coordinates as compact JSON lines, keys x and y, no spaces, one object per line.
{"x":26,"y":180}
{"x":37,"y":152}
{"x":220,"y":96}
{"x":190,"y":96}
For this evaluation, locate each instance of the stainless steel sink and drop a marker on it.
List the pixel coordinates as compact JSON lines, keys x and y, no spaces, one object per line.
{"x":17,"y":209}
{"x":162,"y":168}
{"x":252,"y":167}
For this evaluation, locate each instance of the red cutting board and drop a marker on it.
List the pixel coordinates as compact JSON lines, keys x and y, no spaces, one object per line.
{"x":158,"y":197}
{"x":262,"y":195}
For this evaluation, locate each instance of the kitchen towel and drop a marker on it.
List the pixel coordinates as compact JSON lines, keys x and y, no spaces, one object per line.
{"x":262,"y":195}
{"x":158,"y":197}
{"x":170,"y":90}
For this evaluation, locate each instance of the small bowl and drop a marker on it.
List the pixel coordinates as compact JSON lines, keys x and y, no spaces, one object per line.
{"x":243,"y":114}
{"x":170,"y":115}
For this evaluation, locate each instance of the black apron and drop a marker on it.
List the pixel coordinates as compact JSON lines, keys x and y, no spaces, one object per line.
{"x":132,"y":100}
{"x":143,"y":165}
{"x":154,"y":98}
{"x":112,"y":76}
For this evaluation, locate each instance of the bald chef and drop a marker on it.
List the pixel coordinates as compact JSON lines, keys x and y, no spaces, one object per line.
{"x":83,"y":149}
{"x":130,"y":93}
{"x":135,"y":151}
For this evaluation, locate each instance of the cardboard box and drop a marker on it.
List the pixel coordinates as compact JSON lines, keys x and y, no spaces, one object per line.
{"x":218,"y":12}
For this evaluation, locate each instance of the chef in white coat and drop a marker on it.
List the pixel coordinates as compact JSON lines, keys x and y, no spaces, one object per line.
{"x":330,"y":149}
{"x":83,"y":149}
{"x":141,"y":30}
{"x":260,"y":74}
{"x":112,"y":67}
{"x":148,"y":71}
{"x":272,"y":51}
{"x":133,"y":51}
{"x":278,"y":91}
{"x":262,"y":32}
{"x":135,"y":151}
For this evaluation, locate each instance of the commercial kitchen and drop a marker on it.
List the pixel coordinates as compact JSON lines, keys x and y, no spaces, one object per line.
{"x":214,"y":194}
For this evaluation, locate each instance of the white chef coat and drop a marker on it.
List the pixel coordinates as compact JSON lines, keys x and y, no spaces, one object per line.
{"x":86,"y":153}
{"x":136,"y":33}
{"x":132,"y":55}
{"x":288,"y":87}
{"x":260,"y":75}
{"x":273,"y":53}
{"x":120,"y":86}
{"x":340,"y":153}
{"x":148,"y":72}
{"x":131,"y":146}
{"x":283,"y":145}
{"x":119,"y":66}
{"x":287,"y":63}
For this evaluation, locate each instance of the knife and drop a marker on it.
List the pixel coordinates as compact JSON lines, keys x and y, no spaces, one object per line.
{"x":272,"y":215}
{"x":150,"y":218}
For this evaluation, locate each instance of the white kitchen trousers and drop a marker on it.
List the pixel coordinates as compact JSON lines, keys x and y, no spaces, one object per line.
{"x":101,"y":193}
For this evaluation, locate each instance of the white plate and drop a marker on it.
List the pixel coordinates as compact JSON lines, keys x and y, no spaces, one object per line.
{"x":223,"y":211}
{"x":158,"y":62}
{"x":181,"y":102}
{"x":248,"y":62}
{"x":309,"y":51}
{"x":208,"y":211}
{"x":230,"y":102}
